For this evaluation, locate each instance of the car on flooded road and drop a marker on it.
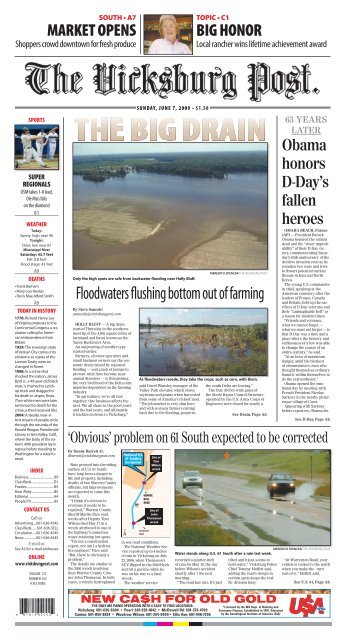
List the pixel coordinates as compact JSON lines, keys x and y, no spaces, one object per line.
{"x":192,"y":479}
{"x":280,"y":484}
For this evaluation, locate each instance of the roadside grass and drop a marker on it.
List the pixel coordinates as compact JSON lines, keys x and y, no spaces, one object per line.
{"x":183,"y":501}
{"x":198,"y":535}
{"x":185,"y":514}
{"x":294,"y":461}
{"x":203,"y":532}
{"x":323,"y":491}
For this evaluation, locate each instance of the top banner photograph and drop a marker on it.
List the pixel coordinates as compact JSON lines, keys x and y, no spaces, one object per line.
{"x":163,"y":206}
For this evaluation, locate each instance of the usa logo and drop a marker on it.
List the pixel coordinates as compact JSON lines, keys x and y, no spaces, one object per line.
{"x":307,"y":606}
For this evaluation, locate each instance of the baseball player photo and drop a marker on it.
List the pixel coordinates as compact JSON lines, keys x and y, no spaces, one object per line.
{"x":36,"y":146}
{"x":52,"y":143}
{"x":41,"y":142}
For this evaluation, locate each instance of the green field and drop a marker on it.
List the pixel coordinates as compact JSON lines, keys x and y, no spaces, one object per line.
{"x":193,"y":526}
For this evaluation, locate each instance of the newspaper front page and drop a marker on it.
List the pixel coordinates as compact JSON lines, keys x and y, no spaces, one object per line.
{"x":172,"y":317}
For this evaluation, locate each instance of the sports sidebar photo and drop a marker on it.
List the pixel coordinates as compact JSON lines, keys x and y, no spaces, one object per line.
{"x":36,"y":146}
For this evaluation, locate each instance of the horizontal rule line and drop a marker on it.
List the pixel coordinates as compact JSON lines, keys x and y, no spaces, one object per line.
{"x":169,"y":56}
{"x":62,"y":106}
{"x":30,"y":215}
{"x":263,"y":107}
{"x":105,"y":107}
{"x":141,"y":427}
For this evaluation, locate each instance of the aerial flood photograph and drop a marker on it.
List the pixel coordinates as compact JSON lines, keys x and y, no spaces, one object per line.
{"x":203,"y":342}
{"x":253,"y":497}
{"x":170,"y":205}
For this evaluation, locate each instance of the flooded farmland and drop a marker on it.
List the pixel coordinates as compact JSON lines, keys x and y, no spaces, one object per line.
{"x":149,"y":221}
{"x":202,"y":351}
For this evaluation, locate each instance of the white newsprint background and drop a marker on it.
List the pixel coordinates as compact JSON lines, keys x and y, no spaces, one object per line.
{"x":269,"y":65}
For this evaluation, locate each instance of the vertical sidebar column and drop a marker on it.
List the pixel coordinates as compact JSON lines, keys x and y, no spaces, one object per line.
{"x":38,"y":363}
{"x":304,"y":192}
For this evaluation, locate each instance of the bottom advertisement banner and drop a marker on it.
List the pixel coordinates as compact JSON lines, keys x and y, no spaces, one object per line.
{"x":197,"y":604}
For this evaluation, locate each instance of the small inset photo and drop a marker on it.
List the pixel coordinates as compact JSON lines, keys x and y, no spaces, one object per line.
{"x":168,"y":34}
{"x":203,"y":342}
{"x":36,"y":146}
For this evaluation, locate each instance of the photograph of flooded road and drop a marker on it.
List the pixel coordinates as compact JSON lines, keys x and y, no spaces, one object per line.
{"x":169,"y":206}
{"x":252,"y":497}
